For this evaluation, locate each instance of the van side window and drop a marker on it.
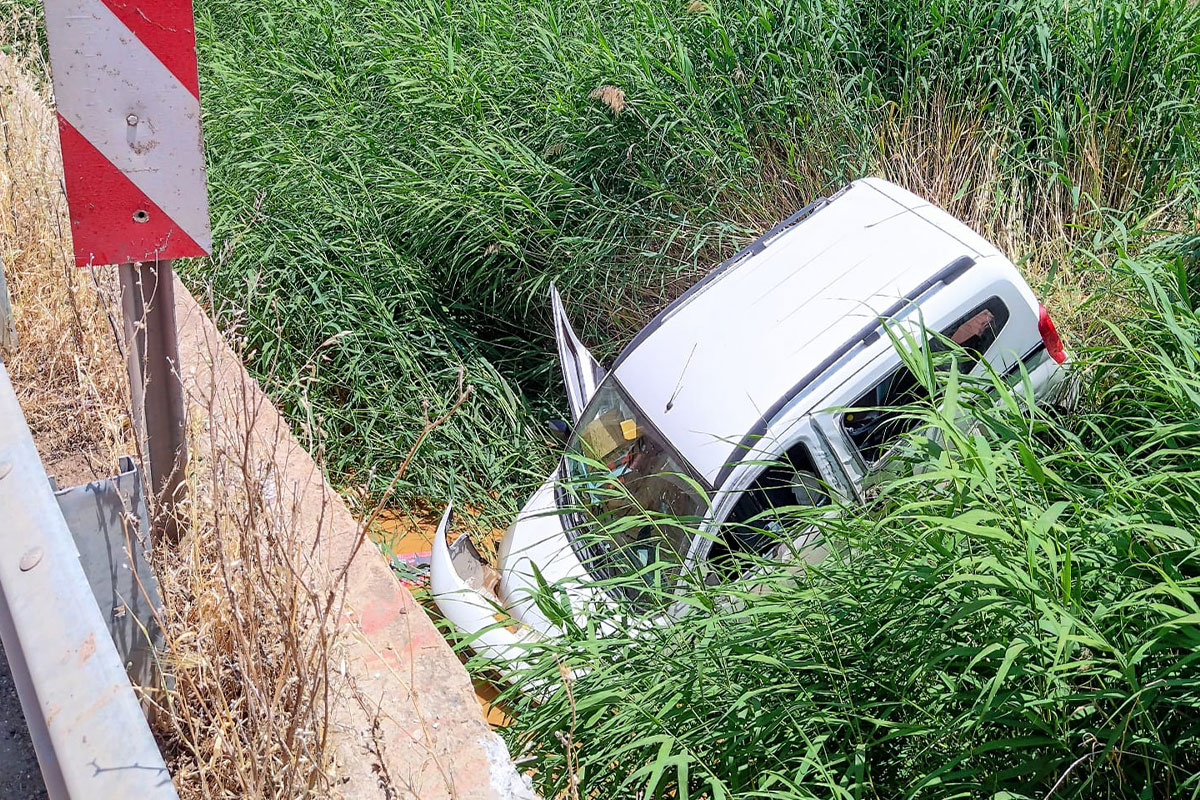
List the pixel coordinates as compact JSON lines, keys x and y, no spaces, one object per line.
{"x":872,"y":422}
{"x":790,"y":482}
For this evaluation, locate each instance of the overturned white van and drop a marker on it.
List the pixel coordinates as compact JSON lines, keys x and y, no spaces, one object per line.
{"x":767,"y":383}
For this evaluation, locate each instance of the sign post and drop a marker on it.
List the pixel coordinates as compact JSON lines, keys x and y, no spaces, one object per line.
{"x":152,"y":359}
{"x":128,"y":97}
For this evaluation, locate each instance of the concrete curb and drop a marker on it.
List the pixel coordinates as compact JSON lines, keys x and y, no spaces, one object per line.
{"x":406,"y":721}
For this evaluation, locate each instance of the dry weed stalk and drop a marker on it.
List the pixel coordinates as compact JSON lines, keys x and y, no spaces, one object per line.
{"x":249,"y":635}
{"x":568,"y":739}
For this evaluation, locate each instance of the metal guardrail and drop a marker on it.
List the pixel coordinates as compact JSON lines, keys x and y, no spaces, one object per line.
{"x":91,"y":738}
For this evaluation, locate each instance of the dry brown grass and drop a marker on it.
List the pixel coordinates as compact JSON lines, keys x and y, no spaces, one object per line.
{"x":250,"y":627}
{"x":68,"y":372}
{"x":247,"y":619}
{"x":611,"y":96}
{"x":945,"y":155}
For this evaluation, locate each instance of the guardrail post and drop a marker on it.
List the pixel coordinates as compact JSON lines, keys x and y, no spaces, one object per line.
{"x":8,"y":326}
{"x":155,"y":385}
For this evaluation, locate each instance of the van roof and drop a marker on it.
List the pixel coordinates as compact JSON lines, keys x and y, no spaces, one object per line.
{"x":711,"y":365}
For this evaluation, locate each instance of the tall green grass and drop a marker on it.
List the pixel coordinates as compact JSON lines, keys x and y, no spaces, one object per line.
{"x":1018,"y":616}
{"x":405,"y":178}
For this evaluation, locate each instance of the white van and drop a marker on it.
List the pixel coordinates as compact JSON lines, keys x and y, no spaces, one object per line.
{"x":766,"y":383}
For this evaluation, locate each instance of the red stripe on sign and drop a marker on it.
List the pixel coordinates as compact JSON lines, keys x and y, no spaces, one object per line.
{"x":167,"y":29}
{"x":113,"y":217}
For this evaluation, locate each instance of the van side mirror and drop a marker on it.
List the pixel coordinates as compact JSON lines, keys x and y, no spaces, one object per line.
{"x":559,"y":429}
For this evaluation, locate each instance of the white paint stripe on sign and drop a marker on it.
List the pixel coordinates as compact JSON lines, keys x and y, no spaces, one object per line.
{"x":135,"y":112}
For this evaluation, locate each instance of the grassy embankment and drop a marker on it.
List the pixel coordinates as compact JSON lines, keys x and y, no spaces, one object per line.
{"x":396,"y":184}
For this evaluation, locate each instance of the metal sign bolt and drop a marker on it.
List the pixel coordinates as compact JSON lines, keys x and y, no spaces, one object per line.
{"x":32,"y":557}
{"x":132,"y":120}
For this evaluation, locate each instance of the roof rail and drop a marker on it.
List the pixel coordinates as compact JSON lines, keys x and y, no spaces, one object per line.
{"x":864,"y":337}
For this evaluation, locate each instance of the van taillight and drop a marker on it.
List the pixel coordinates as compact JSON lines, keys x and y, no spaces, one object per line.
{"x":1050,"y":337}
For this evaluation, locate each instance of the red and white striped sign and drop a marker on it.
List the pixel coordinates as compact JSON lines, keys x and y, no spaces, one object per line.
{"x":129,"y":122}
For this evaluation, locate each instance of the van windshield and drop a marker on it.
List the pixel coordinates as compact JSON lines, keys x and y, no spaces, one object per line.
{"x":632,"y":506}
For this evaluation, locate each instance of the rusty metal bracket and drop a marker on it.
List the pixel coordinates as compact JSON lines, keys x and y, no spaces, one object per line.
{"x":86,"y":723}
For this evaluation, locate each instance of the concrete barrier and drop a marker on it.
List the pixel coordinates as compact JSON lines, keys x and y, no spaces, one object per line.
{"x":406,"y":723}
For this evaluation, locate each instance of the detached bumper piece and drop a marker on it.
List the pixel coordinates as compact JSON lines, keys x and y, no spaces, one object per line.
{"x":464,"y":588}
